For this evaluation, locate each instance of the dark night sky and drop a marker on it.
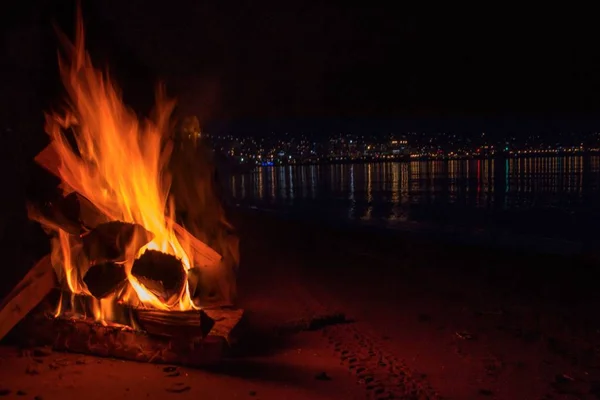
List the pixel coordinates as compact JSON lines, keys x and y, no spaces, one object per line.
{"x":304,"y":59}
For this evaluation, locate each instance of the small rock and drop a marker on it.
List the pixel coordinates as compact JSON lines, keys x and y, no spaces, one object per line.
{"x":169,"y":369}
{"x":59,"y":362}
{"x":42,"y":352}
{"x":465,"y":335}
{"x":81,"y":361}
{"x":322,"y":376}
{"x":32,"y":369}
{"x":4,"y":391}
{"x":252,"y":393}
{"x":178,"y":387}
{"x":486,"y":392}
{"x":38,"y":398}
{"x":21,"y":393}
{"x":173,"y":374}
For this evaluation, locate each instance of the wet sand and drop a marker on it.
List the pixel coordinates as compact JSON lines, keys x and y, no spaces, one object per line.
{"x":428,"y":319}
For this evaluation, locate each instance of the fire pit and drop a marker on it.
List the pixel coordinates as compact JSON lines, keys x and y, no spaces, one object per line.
{"x":124,"y":278}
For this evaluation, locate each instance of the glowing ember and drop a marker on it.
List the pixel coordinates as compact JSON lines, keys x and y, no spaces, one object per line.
{"x":120,"y":165}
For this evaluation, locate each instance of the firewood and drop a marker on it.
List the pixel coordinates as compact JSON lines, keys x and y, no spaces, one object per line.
{"x":104,"y":279}
{"x":174,"y":323}
{"x":55,"y":216}
{"x":32,"y":289}
{"x":190,"y":323}
{"x":190,"y":338}
{"x":72,"y":213}
{"x":89,"y":215}
{"x":112,"y":241}
{"x":160,"y":273}
{"x":117,"y":341}
{"x":227,"y":322}
{"x":49,"y":159}
{"x":203,"y":254}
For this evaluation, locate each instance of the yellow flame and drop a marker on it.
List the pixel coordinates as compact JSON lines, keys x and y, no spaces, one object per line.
{"x":70,"y":273}
{"x":119,"y":165}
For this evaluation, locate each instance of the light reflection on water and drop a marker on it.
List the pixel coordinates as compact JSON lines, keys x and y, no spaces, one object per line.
{"x":467,"y":192}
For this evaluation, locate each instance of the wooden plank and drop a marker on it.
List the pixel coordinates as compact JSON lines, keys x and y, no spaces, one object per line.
{"x":32,"y":289}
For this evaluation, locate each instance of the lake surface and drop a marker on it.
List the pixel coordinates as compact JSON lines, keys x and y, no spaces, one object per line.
{"x":551,"y":197}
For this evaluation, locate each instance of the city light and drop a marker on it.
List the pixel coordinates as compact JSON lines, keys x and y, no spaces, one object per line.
{"x":290,"y":148}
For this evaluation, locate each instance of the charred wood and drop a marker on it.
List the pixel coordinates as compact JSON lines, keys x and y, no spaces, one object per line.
{"x":89,"y":215}
{"x":115,"y":241}
{"x":88,"y":337}
{"x":167,"y":323}
{"x":55,"y":215}
{"x":105,"y":279}
{"x":160,"y":273}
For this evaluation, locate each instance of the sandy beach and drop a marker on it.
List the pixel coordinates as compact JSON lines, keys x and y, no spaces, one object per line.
{"x":426,"y":321}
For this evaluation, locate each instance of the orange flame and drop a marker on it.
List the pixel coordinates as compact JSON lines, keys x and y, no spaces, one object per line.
{"x":119,"y":165}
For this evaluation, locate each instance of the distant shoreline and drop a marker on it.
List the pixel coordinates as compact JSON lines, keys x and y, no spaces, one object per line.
{"x":406,"y":159}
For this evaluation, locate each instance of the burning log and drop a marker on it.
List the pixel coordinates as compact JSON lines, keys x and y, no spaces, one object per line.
{"x":90,"y":215}
{"x":56,"y":214}
{"x":88,"y":337}
{"x":72,"y":213}
{"x":112,"y":241}
{"x":160,"y":273}
{"x":32,"y":289}
{"x":203,"y":254}
{"x":104,"y":279}
{"x":174,"y":323}
{"x":190,"y":338}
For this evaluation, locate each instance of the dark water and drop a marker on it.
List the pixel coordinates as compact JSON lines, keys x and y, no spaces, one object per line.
{"x":551,"y":197}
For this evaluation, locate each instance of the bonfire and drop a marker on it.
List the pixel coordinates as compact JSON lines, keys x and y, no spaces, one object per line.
{"x":124,"y":258}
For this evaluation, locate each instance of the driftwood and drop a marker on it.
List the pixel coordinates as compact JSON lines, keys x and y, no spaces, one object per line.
{"x":160,"y":273}
{"x":32,"y":289}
